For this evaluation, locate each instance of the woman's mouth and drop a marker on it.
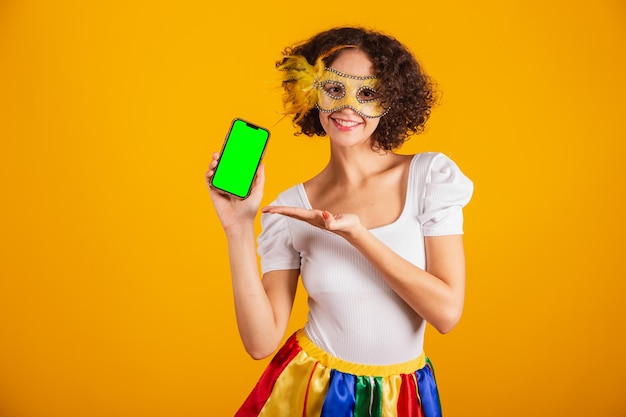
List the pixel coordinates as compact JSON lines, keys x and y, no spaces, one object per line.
{"x":345,"y":125}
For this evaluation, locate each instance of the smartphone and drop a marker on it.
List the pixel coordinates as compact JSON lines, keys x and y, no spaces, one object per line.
{"x":241,"y":155}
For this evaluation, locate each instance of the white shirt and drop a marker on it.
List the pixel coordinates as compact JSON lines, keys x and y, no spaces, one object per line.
{"x":353,"y":314}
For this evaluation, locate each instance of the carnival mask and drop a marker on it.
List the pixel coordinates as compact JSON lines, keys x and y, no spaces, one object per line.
{"x":338,"y":90}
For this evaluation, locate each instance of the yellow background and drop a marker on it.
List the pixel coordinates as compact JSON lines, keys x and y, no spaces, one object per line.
{"x":114,"y":291}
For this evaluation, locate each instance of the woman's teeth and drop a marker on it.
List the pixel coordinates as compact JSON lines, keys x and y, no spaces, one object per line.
{"x":346,"y":123}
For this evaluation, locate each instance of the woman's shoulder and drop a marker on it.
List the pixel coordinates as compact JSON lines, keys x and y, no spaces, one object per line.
{"x":292,"y":196}
{"x":427,"y":157}
{"x":436,"y":175}
{"x":430,"y":161}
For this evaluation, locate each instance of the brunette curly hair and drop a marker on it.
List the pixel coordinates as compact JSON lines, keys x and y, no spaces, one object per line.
{"x":406,"y":89}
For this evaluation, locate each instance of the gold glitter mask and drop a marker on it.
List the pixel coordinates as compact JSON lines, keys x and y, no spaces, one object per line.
{"x":338,"y":90}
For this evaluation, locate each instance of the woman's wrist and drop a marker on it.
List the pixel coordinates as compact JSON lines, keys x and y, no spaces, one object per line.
{"x":355,"y":234}
{"x":239,"y":228}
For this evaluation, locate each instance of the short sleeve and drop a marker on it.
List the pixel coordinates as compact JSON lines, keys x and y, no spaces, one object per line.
{"x":275,"y":245}
{"x":446,"y":191}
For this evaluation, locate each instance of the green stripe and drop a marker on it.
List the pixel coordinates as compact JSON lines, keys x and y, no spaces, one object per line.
{"x":369,"y":393}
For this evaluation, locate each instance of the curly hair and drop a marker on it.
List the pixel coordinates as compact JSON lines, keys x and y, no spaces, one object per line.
{"x":406,"y":89}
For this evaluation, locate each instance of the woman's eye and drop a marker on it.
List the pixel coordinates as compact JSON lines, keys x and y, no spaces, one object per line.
{"x":367,"y":94}
{"x":334,"y":90}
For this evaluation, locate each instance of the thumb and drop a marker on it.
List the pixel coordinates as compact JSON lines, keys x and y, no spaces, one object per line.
{"x":260,"y":175}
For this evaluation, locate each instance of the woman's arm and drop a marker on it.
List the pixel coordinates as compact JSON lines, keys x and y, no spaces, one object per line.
{"x":437,"y":293}
{"x":262,"y":307}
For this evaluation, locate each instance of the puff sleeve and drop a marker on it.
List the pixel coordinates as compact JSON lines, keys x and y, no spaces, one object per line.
{"x":446,"y":191}
{"x":275,"y":244}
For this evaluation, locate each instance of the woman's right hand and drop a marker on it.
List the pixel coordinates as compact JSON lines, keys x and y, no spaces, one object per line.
{"x":232,"y":211}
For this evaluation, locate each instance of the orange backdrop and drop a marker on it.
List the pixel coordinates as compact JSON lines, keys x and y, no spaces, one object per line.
{"x":115,"y":298}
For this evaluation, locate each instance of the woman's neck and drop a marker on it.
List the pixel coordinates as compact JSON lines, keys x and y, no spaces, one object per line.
{"x":357,"y":164}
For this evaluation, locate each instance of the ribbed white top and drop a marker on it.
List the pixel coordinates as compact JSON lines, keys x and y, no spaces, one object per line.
{"x":353,"y":313}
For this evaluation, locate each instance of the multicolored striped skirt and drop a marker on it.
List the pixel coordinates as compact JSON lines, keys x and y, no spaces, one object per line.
{"x":304,"y":381}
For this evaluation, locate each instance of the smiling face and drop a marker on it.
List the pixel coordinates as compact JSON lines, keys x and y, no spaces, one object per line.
{"x":347,"y":95}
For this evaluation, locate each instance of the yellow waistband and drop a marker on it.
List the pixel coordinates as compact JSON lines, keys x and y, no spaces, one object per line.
{"x":333,"y":362}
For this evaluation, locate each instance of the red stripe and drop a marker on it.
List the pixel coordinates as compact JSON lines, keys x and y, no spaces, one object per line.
{"x":261,"y":392}
{"x":408,"y":406}
{"x":308,"y":384}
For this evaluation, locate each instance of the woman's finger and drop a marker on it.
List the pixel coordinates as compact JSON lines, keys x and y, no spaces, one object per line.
{"x":296,"y":212}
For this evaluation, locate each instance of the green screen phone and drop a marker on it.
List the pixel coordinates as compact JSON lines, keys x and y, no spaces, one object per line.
{"x":241,"y":155}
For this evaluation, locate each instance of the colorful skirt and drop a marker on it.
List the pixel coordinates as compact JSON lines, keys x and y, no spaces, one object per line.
{"x":304,"y":381}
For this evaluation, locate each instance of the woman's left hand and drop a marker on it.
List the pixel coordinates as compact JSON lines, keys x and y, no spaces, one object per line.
{"x":342,"y":224}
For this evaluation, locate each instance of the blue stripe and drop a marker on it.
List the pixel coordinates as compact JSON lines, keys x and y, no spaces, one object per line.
{"x":428,"y":392}
{"x":339,"y":401}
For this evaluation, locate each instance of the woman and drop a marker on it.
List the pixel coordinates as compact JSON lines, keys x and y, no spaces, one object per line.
{"x":376,"y":237}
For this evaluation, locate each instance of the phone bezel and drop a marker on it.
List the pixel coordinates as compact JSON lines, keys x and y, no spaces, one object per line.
{"x":259,"y":159}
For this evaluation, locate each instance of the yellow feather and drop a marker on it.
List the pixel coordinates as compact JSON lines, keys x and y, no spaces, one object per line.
{"x":299,"y":80}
